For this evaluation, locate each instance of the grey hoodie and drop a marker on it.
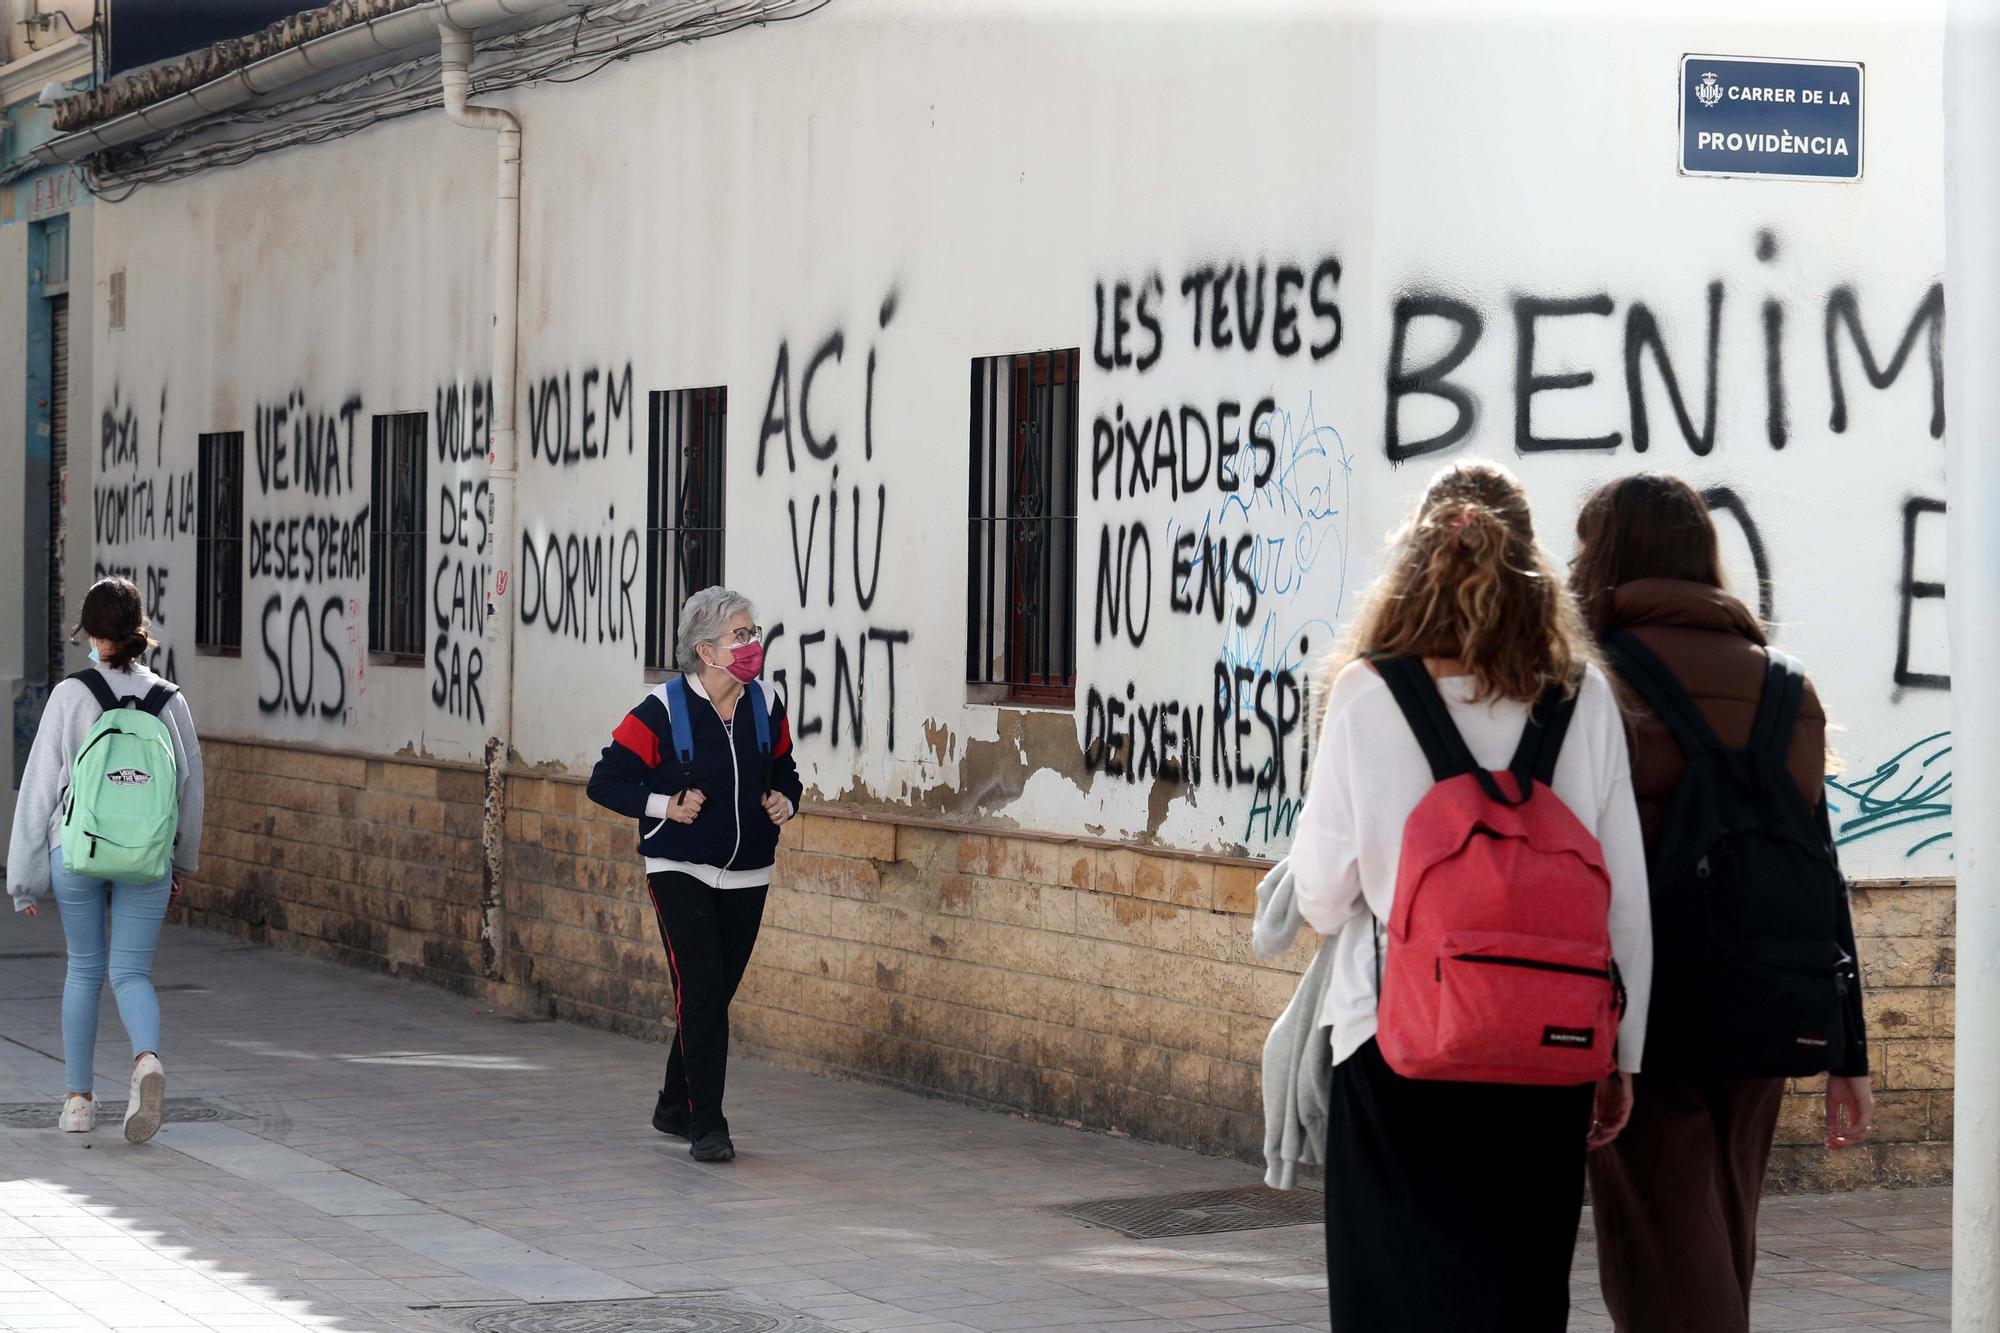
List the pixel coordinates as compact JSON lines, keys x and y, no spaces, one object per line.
{"x":1298,"y":1055}
{"x":71,"y":712}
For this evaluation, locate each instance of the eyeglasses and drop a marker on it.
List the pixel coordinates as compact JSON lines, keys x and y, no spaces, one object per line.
{"x":744,"y":637}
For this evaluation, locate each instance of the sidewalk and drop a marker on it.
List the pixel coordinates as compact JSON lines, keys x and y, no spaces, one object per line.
{"x":379,"y":1155}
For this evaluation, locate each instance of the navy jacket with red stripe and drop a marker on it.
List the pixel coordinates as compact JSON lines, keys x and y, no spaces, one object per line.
{"x":732,"y":831}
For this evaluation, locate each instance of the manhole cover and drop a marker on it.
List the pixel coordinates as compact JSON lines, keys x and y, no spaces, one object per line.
{"x":1199,"y":1212}
{"x":42,"y":1115}
{"x":681,"y":1313}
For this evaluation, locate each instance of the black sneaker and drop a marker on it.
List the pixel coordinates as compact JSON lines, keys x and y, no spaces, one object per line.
{"x":714,"y":1146}
{"x":671,"y":1122}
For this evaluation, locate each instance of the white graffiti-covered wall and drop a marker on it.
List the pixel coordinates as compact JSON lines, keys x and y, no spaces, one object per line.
{"x":1305,"y":254}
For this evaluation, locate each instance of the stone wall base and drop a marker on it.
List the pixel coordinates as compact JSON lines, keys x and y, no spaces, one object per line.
{"x":1093,"y":985}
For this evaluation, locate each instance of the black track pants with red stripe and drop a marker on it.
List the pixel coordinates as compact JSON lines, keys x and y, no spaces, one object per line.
{"x":709,"y":934}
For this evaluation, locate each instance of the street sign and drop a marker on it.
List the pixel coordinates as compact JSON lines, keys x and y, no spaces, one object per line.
{"x":1779,"y":119}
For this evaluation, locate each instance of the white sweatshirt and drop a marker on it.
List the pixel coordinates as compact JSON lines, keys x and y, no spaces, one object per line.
{"x":1371,"y":773}
{"x":67,"y":718}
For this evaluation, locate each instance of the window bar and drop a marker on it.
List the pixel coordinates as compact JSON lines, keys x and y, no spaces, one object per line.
{"x":1020,"y":520}
{"x":221,"y":534}
{"x":377,"y":524}
{"x":720,"y":473}
{"x":689,"y":514}
{"x":1031,"y":530}
{"x":714,"y":444}
{"x":973,"y":601}
{"x":413,"y":611}
{"x":677,"y":516}
{"x":655,"y":656}
{"x":703,"y":489}
{"x":1016,"y":424}
{"x":1052,"y":527}
{"x":697,"y":459}
{"x":996,"y":582}
{"x":203,"y":534}
{"x":1071,"y":466}
{"x":419,"y":437}
{"x":1043,"y":572}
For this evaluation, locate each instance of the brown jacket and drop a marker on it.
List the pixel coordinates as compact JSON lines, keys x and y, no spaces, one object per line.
{"x":1715,"y":648}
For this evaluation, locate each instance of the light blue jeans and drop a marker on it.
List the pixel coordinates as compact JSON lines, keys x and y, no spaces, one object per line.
{"x":136,"y":914}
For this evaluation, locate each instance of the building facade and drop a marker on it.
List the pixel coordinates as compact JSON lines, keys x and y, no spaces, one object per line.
{"x":46,"y":398}
{"x":1050,"y":379}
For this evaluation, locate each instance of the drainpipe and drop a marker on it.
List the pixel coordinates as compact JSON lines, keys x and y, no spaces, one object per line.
{"x":455,"y":62}
{"x":1972,"y":463}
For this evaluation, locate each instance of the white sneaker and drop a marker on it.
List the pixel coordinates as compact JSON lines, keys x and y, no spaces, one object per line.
{"x":79,"y":1114}
{"x":148,"y":1100}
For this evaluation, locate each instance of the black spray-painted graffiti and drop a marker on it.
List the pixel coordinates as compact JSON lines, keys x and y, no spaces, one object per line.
{"x":310,"y":675}
{"x":816,"y":527}
{"x":1921,"y":516}
{"x":1258,"y":496}
{"x":1249,"y":732}
{"x":1227,"y":306}
{"x":582,"y":583}
{"x":581,"y":415}
{"x":308,"y":463}
{"x":1690,"y":394}
{"x":133,"y":503}
{"x":460,"y":423}
{"x":1724,"y":503}
{"x":579,"y":585}
{"x":1464,"y":325}
{"x":137,"y":504}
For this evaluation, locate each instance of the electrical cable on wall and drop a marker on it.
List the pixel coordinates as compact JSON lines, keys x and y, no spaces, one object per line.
{"x":586,"y":43}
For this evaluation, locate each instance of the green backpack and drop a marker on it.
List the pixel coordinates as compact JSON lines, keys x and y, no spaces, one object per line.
{"x":122,"y":812}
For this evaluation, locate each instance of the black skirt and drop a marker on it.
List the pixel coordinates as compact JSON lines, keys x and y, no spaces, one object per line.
{"x":1450,"y":1206}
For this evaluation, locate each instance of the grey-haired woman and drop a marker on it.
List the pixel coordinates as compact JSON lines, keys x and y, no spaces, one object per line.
{"x":704,"y":764}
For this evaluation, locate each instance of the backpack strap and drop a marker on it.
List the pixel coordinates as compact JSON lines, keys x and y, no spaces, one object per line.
{"x":158,"y":698}
{"x":1778,"y":710}
{"x":1654,"y":681}
{"x":761,"y":715}
{"x":682,"y":729}
{"x":1542,"y":741}
{"x":99,"y":687}
{"x":1416,"y":694}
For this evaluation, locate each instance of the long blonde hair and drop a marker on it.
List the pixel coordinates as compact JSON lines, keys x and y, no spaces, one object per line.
{"x":1467,"y":580}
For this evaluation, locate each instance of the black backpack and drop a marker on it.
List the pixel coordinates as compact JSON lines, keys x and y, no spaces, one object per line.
{"x":1749,"y":976}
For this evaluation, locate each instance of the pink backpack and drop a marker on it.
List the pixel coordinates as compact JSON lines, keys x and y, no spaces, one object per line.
{"x":1498,"y":966}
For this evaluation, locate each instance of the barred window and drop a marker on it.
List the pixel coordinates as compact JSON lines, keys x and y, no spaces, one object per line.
{"x":684,"y":472}
{"x":1020,"y":641}
{"x":396,"y":539}
{"x":218,"y":570}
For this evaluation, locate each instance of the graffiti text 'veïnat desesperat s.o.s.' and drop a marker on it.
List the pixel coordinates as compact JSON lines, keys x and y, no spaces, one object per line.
{"x":308,"y":543}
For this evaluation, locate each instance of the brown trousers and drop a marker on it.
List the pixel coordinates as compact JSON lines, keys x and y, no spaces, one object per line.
{"x":1675,"y":1200}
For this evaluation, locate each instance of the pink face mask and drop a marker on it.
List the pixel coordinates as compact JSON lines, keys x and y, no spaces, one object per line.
{"x":748,"y":663}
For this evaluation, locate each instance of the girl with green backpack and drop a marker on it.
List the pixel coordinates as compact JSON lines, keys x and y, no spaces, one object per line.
{"x":110,"y":815}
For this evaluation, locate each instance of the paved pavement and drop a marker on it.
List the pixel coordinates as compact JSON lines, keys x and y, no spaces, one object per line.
{"x":399,"y":1158}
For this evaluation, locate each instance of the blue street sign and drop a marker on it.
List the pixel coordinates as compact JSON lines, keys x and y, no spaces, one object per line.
{"x":1782,"y":119}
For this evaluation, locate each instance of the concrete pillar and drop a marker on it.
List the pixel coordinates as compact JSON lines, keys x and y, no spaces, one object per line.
{"x":1972,"y":414}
